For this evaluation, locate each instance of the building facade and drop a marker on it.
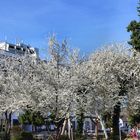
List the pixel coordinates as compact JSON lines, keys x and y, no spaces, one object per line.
{"x":19,"y":49}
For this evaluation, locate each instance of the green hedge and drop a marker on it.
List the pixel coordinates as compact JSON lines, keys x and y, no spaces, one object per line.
{"x":23,"y":136}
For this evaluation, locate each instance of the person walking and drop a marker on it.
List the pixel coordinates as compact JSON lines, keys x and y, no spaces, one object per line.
{"x":134,"y":134}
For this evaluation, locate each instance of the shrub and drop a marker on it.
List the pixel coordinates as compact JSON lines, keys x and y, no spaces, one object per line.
{"x":79,"y":137}
{"x":64,"y":137}
{"x":16,"y":138}
{"x":16,"y":129}
{"x":27,"y":136}
{"x":50,"y":138}
{"x":2,"y":135}
{"x":123,"y":135}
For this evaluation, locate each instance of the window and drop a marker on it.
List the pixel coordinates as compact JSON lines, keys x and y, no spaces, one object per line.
{"x":18,"y":48}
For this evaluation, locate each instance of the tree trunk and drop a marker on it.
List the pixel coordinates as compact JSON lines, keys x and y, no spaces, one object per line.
{"x":63,"y":127}
{"x":96,"y":129}
{"x":116,"y":116}
{"x":80,"y":122}
{"x":103,"y":126}
{"x":10,"y":117}
{"x":7,"y":125}
{"x":59,"y":128}
{"x":69,"y":129}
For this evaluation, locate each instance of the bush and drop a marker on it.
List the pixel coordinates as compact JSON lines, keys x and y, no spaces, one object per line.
{"x":117,"y":137}
{"x":79,"y":137}
{"x":50,"y":138}
{"x":16,"y":129}
{"x":27,"y":136}
{"x":64,"y":137}
{"x":22,"y":136}
{"x":15,"y":133}
{"x":123,"y":135}
{"x":2,"y":135}
{"x":16,"y":138}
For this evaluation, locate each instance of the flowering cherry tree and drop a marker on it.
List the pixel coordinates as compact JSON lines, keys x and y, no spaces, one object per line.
{"x":67,"y":83}
{"x":104,"y":80}
{"x":111,"y":72}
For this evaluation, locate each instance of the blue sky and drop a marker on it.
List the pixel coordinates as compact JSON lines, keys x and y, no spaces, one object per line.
{"x":87,"y":24}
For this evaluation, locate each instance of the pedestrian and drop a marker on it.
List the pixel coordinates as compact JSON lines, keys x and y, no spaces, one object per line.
{"x":133,"y":133}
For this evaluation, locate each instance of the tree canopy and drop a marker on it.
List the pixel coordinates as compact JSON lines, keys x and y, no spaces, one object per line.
{"x":134,"y":29}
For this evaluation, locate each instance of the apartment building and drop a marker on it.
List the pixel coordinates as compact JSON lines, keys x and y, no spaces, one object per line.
{"x":19,"y":49}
